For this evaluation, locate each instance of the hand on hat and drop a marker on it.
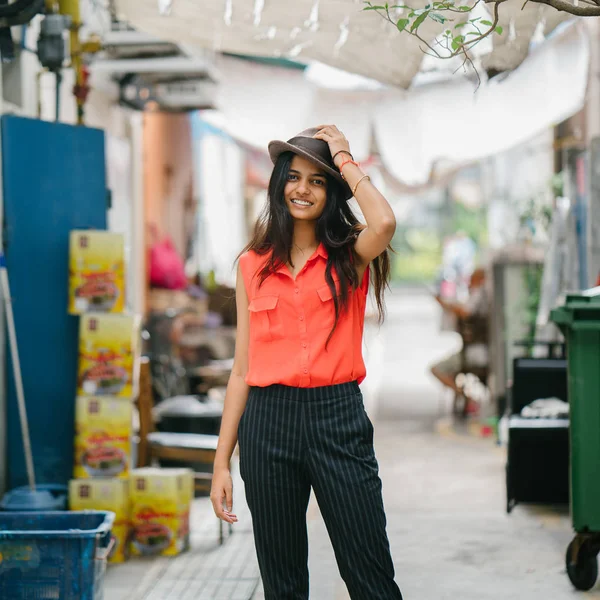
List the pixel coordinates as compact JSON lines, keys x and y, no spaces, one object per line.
{"x":336,"y":140}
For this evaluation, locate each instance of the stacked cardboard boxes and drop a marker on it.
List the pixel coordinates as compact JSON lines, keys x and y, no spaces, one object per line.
{"x":152,"y":506}
{"x":107,"y":379}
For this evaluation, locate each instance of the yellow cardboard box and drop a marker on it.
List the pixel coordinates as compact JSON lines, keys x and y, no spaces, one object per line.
{"x":111,"y":495}
{"x":103,"y":428}
{"x":159,"y":523}
{"x":109,"y":347}
{"x":96,"y":272}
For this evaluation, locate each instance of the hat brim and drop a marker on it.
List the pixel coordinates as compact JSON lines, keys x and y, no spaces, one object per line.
{"x":277,"y":147}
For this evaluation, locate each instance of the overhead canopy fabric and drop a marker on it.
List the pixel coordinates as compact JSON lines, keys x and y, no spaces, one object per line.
{"x":436,"y":128}
{"x":336,"y":32}
{"x":422,"y":134}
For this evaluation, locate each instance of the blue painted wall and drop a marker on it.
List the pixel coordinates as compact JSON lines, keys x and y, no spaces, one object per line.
{"x":54,"y":181}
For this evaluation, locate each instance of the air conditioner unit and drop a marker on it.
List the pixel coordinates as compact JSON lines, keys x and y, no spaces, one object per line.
{"x":170,"y":95}
{"x":128,"y":43}
{"x":153,"y":72}
{"x":176,"y":95}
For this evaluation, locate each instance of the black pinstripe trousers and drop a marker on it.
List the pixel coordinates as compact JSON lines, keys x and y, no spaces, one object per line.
{"x":292,"y":439}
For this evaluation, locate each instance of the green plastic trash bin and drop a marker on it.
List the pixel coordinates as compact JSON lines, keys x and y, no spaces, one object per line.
{"x":579,"y":320}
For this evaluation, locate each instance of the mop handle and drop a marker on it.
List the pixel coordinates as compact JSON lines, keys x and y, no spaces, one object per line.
{"x":14,"y":351}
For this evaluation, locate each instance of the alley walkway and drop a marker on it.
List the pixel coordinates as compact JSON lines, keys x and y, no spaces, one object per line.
{"x":444,"y":493}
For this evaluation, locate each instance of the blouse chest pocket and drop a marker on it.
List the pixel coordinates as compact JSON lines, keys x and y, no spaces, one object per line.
{"x":326,"y":310}
{"x":265,"y":318}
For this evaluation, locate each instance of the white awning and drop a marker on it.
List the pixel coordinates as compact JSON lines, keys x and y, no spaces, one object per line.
{"x":335,"y":32}
{"x":422,"y":134}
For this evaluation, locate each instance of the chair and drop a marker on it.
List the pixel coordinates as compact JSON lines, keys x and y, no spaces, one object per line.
{"x":195,"y":450}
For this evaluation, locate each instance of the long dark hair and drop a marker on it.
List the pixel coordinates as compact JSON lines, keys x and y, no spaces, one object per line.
{"x":337,"y":229}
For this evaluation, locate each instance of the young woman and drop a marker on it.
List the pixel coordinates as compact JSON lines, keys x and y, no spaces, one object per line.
{"x":293,"y":401}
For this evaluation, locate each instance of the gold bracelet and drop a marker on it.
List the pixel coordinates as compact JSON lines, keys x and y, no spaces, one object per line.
{"x":358,"y":183}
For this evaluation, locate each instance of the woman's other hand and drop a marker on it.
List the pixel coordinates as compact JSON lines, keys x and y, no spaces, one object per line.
{"x":336,"y":140}
{"x":221,"y":495}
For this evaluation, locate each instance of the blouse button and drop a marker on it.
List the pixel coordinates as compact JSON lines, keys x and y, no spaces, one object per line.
{"x":305,"y":370}
{"x":304,"y":345}
{"x":301,"y":318}
{"x":296,"y":290}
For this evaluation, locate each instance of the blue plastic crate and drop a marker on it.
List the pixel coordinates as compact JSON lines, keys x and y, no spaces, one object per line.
{"x":54,"y":555}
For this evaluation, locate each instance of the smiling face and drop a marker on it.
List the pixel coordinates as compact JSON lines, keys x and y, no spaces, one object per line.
{"x":305,"y":192}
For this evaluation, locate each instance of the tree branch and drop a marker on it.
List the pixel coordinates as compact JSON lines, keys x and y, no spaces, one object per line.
{"x":384,"y":12}
{"x":454,"y":10}
{"x":460,"y":44}
{"x":566,"y":6}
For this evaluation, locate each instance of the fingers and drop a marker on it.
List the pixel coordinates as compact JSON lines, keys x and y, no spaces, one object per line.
{"x":229,"y":517}
{"x":333,"y":137}
{"x":223,"y":514}
{"x":322,"y":135}
{"x":329,"y":128}
{"x":217,"y":498}
{"x":328,"y":131}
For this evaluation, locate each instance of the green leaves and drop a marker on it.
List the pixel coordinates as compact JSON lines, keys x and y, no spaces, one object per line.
{"x":438,"y":18}
{"x":385,"y":7}
{"x":402,"y":23}
{"x":459,"y":38}
{"x":457,"y":42}
{"x":375,"y":7}
{"x":418,"y":21}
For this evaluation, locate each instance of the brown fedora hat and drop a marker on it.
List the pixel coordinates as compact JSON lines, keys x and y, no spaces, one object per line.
{"x":317,"y":151}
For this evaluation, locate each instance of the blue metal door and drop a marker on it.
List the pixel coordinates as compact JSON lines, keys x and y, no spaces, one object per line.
{"x":54,"y":181}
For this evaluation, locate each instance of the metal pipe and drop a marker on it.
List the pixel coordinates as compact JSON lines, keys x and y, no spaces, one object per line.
{"x":71,"y":8}
{"x":38,"y":89}
{"x":58,"y":82}
{"x":14,"y":351}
